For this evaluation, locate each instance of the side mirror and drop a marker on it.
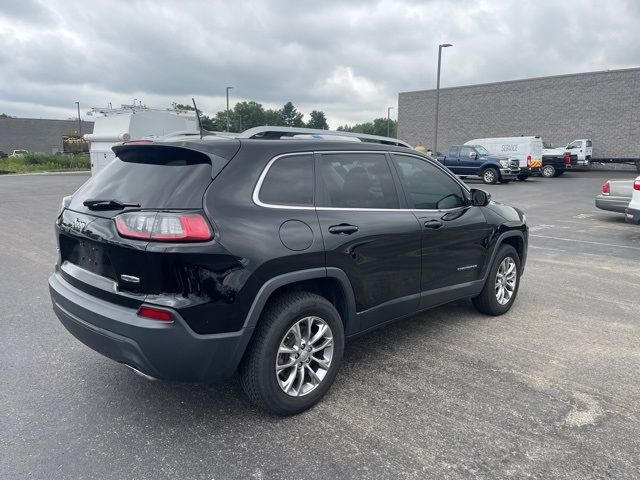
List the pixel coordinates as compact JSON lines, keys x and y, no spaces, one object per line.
{"x":473,"y":155}
{"x":479,"y":198}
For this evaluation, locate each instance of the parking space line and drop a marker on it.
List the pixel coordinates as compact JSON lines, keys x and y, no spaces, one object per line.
{"x":584,"y":241}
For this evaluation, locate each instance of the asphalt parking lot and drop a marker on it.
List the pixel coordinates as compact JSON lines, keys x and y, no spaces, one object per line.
{"x":550,"y":390}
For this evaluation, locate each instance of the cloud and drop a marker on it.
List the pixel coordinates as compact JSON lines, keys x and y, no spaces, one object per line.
{"x":349,"y":59}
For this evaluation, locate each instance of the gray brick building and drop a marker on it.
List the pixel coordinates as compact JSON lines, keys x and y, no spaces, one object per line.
{"x":37,"y":135}
{"x":603,"y":106}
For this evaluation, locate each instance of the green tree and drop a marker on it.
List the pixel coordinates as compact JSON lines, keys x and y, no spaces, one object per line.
{"x":376,"y":127}
{"x":318,"y":120}
{"x":273,"y":117}
{"x":290,"y":116}
{"x":248,"y":115}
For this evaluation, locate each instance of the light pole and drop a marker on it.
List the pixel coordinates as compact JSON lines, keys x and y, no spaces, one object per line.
{"x":79,"y":121}
{"x":228,"y":125}
{"x":388,"y":119}
{"x":435,"y":127}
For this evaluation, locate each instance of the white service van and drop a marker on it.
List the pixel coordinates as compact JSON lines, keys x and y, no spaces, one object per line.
{"x":527,"y":150}
{"x":132,"y":122}
{"x":583,"y":148}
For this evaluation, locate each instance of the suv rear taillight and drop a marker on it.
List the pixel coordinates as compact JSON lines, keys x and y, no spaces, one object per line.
{"x":529,"y":160}
{"x":155,"y":314}
{"x":163,"y":226}
{"x":636,"y":185}
{"x":606,"y":188}
{"x":567,"y":159}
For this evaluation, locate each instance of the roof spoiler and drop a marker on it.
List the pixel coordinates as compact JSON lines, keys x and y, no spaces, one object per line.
{"x":274,"y":132}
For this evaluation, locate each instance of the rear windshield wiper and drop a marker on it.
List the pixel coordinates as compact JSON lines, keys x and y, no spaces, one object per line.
{"x":108,"y":205}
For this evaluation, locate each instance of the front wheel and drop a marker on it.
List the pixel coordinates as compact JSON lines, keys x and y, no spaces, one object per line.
{"x":490,"y":176}
{"x":501,"y":286}
{"x":295,"y":354}
{"x":523,"y":176}
{"x":548,"y":171}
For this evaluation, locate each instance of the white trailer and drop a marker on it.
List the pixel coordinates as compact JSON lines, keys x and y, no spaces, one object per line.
{"x":132,"y":122}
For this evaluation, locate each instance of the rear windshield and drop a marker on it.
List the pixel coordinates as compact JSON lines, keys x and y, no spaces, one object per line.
{"x":153,"y":177}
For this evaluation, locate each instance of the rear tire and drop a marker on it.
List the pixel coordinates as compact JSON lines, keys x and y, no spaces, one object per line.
{"x":548,"y":171}
{"x":500,"y":279}
{"x":490,"y":176}
{"x":275,"y":356}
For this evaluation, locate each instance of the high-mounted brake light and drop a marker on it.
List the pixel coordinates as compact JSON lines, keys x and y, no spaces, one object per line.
{"x":163,"y":226}
{"x":636,"y":185}
{"x":155,"y":314}
{"x":606,"y":188}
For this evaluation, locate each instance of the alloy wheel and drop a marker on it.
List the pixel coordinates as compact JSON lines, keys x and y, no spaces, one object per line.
{"x":304,"y":356}
{"x":506,"y":280}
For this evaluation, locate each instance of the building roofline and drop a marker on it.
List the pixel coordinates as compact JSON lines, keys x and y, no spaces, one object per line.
{"x":520,"y":80}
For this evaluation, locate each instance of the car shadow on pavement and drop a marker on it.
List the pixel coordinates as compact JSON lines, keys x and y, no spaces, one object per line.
{"x":146,"y":402}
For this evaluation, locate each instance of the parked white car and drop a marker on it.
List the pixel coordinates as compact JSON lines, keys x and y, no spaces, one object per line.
{"x":615,"y":196}
{"x":632,"y":213}
{"x":18,"y":153}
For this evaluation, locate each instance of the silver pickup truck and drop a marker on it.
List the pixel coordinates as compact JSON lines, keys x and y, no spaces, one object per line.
{"x":615,"y":196}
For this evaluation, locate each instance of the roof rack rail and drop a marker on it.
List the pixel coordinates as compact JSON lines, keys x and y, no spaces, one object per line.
{"x":274,"y":132}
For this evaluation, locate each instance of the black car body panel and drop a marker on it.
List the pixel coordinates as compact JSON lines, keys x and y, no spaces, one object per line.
{"x":389,"y":262}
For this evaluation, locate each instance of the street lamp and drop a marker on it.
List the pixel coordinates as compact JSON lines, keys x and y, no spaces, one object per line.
{"x":228,"y":126}
{"x":388,"y":119}
{"x":435,"y":127}
{"x":79,"y":121}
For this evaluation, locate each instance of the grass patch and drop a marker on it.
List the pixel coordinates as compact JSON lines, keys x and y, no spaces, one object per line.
{"x":43,"y":162}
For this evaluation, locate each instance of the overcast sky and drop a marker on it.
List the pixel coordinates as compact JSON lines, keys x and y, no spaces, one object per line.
{"x":347,"y":58}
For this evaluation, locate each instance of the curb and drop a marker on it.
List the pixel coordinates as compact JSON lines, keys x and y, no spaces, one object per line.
{"x":74,"y":172}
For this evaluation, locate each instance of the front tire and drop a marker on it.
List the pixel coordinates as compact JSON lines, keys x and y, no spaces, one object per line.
{"x":501,"y":287}
{"x":490,"y":176}
{"x":295,"y":354}
{"x":523,"y":177}
{"x":548,"y":171}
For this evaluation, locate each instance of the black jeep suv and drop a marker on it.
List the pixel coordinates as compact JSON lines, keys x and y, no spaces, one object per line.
{"x":189,"y":259}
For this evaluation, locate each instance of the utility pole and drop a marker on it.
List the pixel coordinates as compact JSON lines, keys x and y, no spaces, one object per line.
{"x":228,"y":119}
{"x":79,"y":121}
{"x":435,"y":127}
{"x":388,"y":119}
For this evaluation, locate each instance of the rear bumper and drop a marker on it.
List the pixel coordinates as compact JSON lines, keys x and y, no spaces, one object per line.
{"x":612,"y":203}
{"x":632,"y":215}
{"x":164,"y":350}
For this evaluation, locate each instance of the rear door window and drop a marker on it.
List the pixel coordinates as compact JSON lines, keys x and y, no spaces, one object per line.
{"x":453,"y":152}
{"x":589,"y":144}
{"x":289,"y":181}
{"x":357,"y":180}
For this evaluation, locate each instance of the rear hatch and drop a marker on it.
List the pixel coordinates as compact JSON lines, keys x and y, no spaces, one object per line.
{"x":145,"y":183}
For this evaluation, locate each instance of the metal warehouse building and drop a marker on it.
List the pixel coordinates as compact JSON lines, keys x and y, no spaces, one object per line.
{"x":603,"y":106}
{"x":37,"y":135}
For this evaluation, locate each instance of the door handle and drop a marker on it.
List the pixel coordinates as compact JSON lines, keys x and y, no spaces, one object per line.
{"x":434,"y":224}
{"x":343,"y":228}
